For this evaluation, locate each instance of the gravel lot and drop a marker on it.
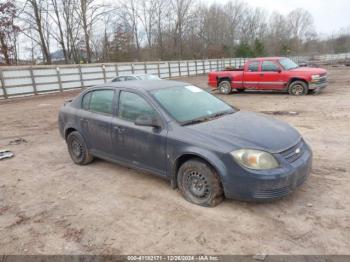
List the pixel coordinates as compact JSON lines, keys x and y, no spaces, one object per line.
{"x":48,"y":205}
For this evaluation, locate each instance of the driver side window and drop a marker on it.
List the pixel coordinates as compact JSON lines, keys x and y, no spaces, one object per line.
{"x":269,"y":66}
{"x":131,"y":106}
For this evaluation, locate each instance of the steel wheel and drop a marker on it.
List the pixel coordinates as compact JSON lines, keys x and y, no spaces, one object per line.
{"x":199,"y":183}
{"x":78,"y":149}
{"x":225,"y":87}
{"x":298,"y":88}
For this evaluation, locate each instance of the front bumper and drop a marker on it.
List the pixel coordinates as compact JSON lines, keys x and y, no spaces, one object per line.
{"x":268,"y":185}
{"x":317,"y":87}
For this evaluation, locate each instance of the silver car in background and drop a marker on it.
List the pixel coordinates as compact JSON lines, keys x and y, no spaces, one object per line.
{"x":135,"y":77}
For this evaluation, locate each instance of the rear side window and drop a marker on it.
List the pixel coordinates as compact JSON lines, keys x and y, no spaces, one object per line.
{"x":253,"y":66}
{"x":131,"y":106}
{"x":269,"y":66}
{"x":102,"y":101}
{"x":86,"y":101}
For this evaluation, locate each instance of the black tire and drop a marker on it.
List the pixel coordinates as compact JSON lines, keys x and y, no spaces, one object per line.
{"x":298,"y":88}
{"x":225,"y":87}
{"x":199,"y":183}
{"x":77,"y":149}
{"x":240,"y":90}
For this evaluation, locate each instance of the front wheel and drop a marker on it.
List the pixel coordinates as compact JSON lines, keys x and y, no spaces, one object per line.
{"x":225,"y":87}
{"x":298,"y":88}
{"x":199,"y":183}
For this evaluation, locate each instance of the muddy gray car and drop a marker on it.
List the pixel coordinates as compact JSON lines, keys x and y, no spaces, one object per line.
{"x":203,"y":146}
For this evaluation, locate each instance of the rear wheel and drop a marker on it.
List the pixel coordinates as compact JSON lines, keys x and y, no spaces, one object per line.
{"x":225,"y":87}
{"x":298,"y":88}
{"x":199,"y":183}
{"x":78,"y":149}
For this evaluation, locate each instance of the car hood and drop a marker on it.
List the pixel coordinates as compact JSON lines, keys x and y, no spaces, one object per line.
{"x":244,"y":130}
{"x":311,"y":70}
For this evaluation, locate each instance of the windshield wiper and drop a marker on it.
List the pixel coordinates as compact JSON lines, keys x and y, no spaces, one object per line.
{"x":195,"y":121}
{"x":206,"y":118}
{"x":220,"y":114}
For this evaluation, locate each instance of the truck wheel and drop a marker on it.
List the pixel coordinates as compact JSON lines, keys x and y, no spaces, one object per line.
{"x":298,"y":88}
{"x":199,"y":184}
{"x":78,"y":149}
{"x":225,"y":87}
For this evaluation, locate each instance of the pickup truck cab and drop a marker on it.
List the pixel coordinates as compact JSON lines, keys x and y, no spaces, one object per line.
{"x":270,"y":73}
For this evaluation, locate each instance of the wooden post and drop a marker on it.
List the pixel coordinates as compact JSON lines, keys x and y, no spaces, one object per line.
{"x":116,"y":69}
{"x":33,"y":80}
{"x":195,"y":62}
{"x":145,"y":67}
{"x":3,"y":84}
{"x":59,"y":79}
{"x":104,"y":73}
{"x":132,"y":69}
{"x":210,"y":66}
{"x":158,"y":67}
{"x":81,"y":77}
{"x":217,"y":64}
{"x":169,"y":69}
{"x":179,"y":68}
{"x":188,"y":69}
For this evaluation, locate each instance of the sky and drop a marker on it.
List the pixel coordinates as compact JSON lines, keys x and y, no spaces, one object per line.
{"x":329,"y":15}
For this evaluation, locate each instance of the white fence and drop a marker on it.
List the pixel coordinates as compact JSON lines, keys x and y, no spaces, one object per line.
{"x":32,"y":80}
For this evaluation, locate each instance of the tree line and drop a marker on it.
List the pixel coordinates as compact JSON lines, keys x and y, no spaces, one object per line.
{"x":85,"y":31}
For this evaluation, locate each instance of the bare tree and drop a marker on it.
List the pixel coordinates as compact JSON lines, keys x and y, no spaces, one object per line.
{"x":8,"y":30}
{"x":89,"y":12}
{"x":182,"y":12}
{"x":130,"y":14}
{"x":35,"y":15}
{"x":300,"y":25}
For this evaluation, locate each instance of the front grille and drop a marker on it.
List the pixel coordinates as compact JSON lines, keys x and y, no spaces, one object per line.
{"x":295,"y":152}
{"x":272,"y":193}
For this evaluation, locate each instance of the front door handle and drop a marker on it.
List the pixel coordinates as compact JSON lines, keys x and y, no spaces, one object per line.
{"x":261,"y":74}
{"x":119,"y":129}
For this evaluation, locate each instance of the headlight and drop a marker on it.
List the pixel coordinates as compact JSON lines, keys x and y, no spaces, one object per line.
{"x":315,"y":77}
{"x":255,"y":159}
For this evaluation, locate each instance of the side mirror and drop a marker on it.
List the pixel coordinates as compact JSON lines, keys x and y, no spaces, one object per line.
{"x":279,"y":70}
{"x":146,"y":120}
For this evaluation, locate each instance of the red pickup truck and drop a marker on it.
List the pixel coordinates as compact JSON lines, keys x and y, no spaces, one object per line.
{"x":270,"y":73}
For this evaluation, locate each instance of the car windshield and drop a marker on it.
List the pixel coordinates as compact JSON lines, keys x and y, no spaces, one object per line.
{"x":190,"y":104}
{"x":288,"y":64}
{"x":148,"y":77}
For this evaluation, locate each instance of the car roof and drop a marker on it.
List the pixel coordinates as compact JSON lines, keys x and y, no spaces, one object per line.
{"x":266,"y":58}
{"x":146,"y":85}
{"x":136,"y":75}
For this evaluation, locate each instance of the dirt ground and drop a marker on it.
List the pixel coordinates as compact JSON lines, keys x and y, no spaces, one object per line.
{"x":48,"y":205}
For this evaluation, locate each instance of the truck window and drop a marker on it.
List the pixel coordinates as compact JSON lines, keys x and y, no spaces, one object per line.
{"x":253,"y":66}
{"x":269,"y":66}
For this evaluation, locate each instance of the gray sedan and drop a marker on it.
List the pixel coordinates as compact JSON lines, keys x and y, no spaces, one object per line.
{"x":175,"y":130}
